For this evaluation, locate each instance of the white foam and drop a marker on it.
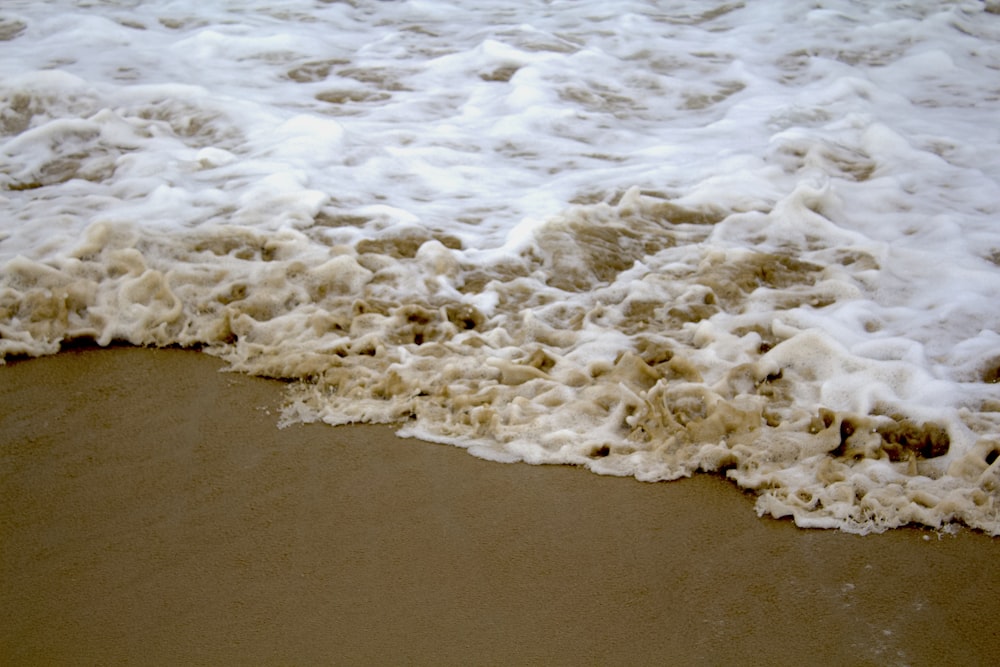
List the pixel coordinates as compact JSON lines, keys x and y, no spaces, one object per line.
{"x":647,"y":240}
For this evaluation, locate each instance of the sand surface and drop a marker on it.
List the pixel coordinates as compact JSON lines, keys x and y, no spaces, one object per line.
{"x":151,"y":512}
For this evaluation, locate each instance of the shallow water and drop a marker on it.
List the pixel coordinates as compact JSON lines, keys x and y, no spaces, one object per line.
{"x":650,"y":239}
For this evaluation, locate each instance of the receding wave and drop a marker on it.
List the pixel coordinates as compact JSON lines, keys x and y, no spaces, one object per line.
{"x":539,"y":240}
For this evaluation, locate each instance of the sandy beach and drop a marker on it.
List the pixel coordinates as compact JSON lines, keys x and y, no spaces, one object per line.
{"x":152,"y":512}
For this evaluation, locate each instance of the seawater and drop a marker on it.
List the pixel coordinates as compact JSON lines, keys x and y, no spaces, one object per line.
{"x":649,"y":238}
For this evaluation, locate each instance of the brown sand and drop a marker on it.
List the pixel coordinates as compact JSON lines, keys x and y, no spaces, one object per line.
{"x":151,"y":512}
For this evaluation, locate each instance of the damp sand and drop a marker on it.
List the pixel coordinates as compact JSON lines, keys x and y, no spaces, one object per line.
{"x":152,"y":512}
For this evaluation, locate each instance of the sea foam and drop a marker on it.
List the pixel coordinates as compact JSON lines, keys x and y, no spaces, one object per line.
{"x":752,"y":239}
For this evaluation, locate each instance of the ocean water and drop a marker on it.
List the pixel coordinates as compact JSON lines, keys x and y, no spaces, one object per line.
{"x":760,"y":239}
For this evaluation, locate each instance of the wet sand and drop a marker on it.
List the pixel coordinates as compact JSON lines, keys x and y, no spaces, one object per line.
{"x":151,"y":512}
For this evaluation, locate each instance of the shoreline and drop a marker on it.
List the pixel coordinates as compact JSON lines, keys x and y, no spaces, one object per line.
{"x":152,"y":511}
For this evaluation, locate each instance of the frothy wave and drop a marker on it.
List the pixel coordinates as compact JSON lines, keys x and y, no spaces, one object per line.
{"x":499,"y":265}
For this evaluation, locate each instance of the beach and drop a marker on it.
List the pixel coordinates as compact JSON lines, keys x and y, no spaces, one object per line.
{"x":379,"y":333}
{"x":153,"y":512}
